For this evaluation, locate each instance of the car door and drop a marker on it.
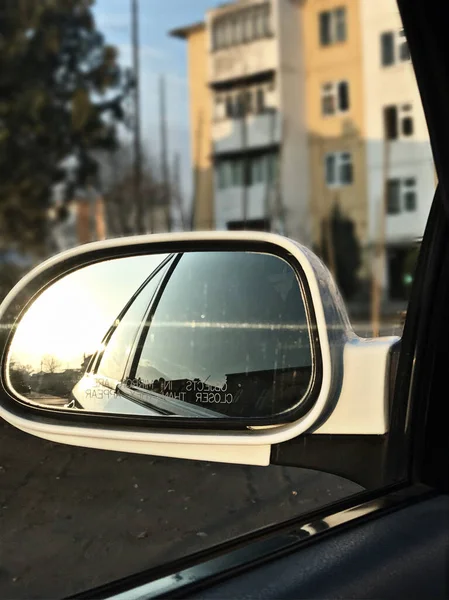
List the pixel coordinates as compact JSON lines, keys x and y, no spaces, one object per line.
{"x":392,"y":468}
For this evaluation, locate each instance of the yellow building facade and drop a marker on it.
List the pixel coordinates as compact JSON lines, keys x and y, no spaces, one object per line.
{"x":332,"y":66}
{"x":200,"y":112}
{"x":335,"y":115}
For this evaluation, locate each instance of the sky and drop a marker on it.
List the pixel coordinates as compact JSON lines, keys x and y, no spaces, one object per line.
{"x":160,"y":54}
{"x":71,"y":317}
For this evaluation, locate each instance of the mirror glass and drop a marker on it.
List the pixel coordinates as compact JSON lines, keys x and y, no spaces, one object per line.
{"x":193,"y":334}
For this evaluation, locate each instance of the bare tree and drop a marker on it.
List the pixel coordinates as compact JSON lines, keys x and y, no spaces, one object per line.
{"x":26,"y":370}
{"x":118,"y":182}
{"x":50,"y":364}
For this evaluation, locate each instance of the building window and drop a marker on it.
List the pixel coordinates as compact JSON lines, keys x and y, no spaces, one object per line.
{"x":266,"y":20}
{"x":338,"y":169}
{"x":393,"y":48}
{"x":223,"y":175}
{"x":248,"y":96}
{"x":346,"y":175}
{"x":237,"y":171}
{"x":259,"y":25}
{"x":239,"y":105}
{"x":398,"y":121}
{"x":390,"y":122}
{"x":248,"y":26}
{"x":406,"y":120}
{"x":253,"y":170}
{"x":272,"y":167}
{"x":393,"y":196}
{"x":241,"y":26}
{"x":229,"y":107}
{"x":387,"y":48}
{"x":237,"y":25}
{"x":401,"y":195}
{"x":330,"y":170}
{"x":257,"y":168}
{"x":325,"y":28}
{"x":410,"y":194}
{"x":260,"y":100}
{"x":229,"y":33}
{"x":247,"y":172}
{"x":220,"y":108}
{"x":328,"y":99}
{"x":404,"y":52}
{"x":244,"y":100}
{"x":343,"y":96}
{"x":334,"y":97}
{"x":332,"y":26}
{"x":340,"y":24}
{"x":214,"y":37}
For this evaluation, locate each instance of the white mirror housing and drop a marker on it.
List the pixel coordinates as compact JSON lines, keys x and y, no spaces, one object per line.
{"x":351,"y":377}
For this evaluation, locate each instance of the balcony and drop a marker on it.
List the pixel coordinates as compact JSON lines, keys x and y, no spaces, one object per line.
{"x":241,"y":62}
{"x":262,"y":130}
{"x":229,"y":204}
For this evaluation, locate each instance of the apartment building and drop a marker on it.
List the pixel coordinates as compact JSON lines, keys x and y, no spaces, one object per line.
{"x":398,"y":150}
{"x":254,"y":96}
{"x":291,"y":102}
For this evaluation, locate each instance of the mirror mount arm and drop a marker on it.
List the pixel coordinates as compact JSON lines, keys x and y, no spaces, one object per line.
{"x":359,"y":458}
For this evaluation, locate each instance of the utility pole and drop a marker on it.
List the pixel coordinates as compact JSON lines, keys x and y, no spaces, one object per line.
{"x":196,"y":174}
{"x":177,"y":189}
{"x":138,"y":200}
{"x":379,"y":248}
{"x":164,"y":160}
{"x":243,"y":106}
{"x":268,"y":213}
{"x":280,"y":206}
{"x":325,"y":224}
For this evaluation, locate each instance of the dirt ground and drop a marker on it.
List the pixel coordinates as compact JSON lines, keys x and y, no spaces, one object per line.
{"x":72,"y":518}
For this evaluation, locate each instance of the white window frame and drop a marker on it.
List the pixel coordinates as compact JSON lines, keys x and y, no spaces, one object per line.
{"x":219,"y":107}
{"x":237,"y":168}
{"x":258,"y":170}
{"x":341,"y":159}
{"x":399,"y":40}
{"x":333,"y":19}
{"x":409,"y":184}
{"x":242,"y":26}
{"x":406,"y":185}
{"x":237,"y":26}
{"x":339,"y":13}
{"x":234,"y":96}
{"x":403,"y":111}
{"x":330,"y":89}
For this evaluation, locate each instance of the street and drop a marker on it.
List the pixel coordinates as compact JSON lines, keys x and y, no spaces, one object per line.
{"x":74,"y":518}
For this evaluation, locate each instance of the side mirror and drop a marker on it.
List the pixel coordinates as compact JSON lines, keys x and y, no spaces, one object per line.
{"x":211,"y":346}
